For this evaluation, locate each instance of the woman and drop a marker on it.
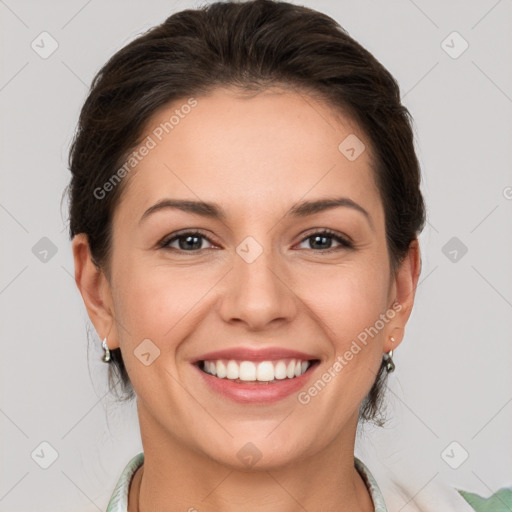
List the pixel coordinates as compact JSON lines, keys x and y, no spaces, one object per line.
{"x":244,"y":209}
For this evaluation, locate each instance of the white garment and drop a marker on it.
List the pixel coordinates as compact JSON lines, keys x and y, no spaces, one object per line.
{"x":404,"y":490}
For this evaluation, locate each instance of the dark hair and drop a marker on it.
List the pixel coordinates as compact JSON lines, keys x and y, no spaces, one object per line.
{"x":251,"y":46}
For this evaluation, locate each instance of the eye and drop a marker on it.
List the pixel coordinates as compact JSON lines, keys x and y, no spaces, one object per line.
{"x":322,"y":241}
{"x":192,"y":241}
{"x":188,"y":241}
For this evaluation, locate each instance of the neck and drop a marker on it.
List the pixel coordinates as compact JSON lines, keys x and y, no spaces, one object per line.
{"x":175,"y":477}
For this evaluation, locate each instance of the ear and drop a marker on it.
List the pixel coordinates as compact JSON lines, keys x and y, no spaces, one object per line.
{"x":404,"y":286}
{"x":95,"y":290}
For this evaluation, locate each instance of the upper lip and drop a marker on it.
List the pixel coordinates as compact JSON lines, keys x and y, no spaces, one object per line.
{"x":251,"y":354}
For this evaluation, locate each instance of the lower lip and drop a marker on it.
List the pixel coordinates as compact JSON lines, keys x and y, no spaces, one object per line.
{"x":257,"y":393}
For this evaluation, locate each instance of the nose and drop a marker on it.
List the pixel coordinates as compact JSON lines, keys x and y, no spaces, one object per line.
{"x":258,"y":293}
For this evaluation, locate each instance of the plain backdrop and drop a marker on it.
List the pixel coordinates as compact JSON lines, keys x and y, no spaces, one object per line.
{"x":64,"y":441}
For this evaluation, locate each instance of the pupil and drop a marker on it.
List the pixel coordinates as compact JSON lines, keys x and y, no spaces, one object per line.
{"x":190,"y":245}
{"x":323,"y":238}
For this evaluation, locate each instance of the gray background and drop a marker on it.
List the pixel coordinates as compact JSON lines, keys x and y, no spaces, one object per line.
{"x":453,"y":380}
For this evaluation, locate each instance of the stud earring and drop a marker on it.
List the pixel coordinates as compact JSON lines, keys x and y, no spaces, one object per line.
{"x":388,"y":359}
{"x":106,"y":357}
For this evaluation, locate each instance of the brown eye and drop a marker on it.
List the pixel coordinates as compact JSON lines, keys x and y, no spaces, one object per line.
{"x":322,"y":241}
{"x":189,"y":241}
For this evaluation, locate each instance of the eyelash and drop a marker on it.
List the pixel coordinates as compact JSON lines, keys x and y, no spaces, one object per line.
{"x":345,"y":244}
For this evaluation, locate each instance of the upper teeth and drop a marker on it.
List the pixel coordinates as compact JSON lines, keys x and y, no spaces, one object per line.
{"x":252,"y":371}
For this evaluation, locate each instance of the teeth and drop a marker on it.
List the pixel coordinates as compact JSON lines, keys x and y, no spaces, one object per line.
{"x":263,"y":371}
{"x":280,"y":370}
{"x":233,"y":370}
{"x":290,"y":370}
{"x":221,"y":369}
{"x":247,"y":370}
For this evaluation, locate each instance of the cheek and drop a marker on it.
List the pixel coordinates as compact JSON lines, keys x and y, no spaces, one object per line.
{"x":346,"y":304}
{"x":362,"y":301}
{"x":347,"y":299}
{"x":156,"y":301}
{"x":349,"y":303}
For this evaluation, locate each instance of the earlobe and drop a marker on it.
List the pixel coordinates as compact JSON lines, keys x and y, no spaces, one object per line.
{"x":95,"y":290}
{"x":406,"y":281}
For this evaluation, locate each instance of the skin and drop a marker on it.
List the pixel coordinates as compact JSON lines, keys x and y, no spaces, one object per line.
{"x":256,"y":156}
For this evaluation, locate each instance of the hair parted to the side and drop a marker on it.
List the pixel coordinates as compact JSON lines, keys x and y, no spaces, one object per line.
{"x":251,"y":46}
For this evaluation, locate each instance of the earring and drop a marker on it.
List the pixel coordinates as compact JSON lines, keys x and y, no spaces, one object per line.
{"x":388,"y":359}
{"x":106,"y":357}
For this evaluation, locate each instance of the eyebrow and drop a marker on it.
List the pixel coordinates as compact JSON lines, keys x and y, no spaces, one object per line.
{"x":215,"y":211}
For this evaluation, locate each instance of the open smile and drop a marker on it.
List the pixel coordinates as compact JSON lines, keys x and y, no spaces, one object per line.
{"x":256,"y":381}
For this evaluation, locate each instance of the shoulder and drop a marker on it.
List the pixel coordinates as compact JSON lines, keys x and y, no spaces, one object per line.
{"x":405,"y":489}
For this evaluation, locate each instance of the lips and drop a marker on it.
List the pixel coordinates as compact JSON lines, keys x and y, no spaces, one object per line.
{"x":248,"y":375}
{"x":250,"y":354}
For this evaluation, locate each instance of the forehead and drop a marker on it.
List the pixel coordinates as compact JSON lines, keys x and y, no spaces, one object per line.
{"x":265,"y":150}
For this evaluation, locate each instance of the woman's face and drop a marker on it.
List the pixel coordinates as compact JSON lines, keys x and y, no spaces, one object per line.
{"x":259,"y":275}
